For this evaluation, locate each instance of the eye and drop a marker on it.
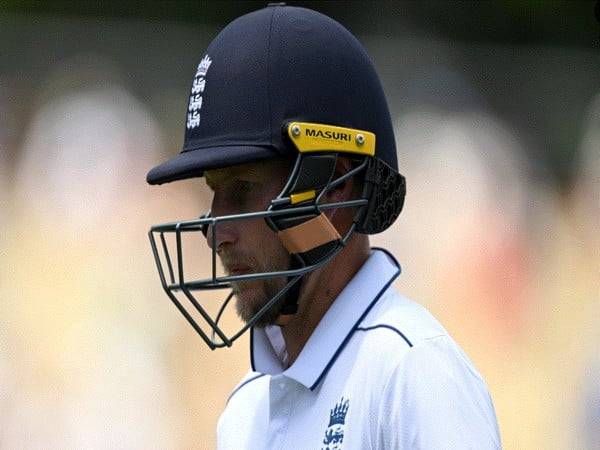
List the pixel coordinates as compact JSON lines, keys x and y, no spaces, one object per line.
{"x":241,"y":193}
{"x":244,"y":186}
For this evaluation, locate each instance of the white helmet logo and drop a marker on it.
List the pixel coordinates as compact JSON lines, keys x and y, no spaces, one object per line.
{"x":198,"y":85}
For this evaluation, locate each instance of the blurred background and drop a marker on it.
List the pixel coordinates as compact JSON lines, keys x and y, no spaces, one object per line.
{"x":496,"y":108}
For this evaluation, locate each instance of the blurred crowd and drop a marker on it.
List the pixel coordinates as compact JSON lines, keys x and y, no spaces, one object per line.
{"x":93,"y":355}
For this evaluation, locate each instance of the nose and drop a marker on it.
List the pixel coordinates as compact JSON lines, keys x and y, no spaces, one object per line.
{"x":220,"y":234}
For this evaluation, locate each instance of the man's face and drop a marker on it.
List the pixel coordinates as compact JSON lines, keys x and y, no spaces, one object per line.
{"x":249,"y":246}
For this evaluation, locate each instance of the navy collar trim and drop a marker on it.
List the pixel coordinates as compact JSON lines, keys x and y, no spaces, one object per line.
{"x":349,"y":335}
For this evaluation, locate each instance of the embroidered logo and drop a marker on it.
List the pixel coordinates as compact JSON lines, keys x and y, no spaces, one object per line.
{"x":198,"y":85}
{"x":334,"y":436}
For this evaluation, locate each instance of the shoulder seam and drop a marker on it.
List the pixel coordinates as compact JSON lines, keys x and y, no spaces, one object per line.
{"x":389,"y":327}
{"x":242,"y":385}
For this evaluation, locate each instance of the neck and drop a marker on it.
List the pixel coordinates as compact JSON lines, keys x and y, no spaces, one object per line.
{"x":319,"y":291}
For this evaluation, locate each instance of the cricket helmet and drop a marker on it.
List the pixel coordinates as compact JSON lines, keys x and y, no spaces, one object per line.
{"x":282,"y":82}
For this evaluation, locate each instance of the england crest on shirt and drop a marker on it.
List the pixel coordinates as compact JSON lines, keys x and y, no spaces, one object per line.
{"x":334,"y":435}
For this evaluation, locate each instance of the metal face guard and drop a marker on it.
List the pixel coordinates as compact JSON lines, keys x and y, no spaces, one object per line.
{"x":284,"y":215}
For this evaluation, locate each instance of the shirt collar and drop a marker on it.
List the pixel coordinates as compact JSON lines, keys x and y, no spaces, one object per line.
{"x":334,"y":329}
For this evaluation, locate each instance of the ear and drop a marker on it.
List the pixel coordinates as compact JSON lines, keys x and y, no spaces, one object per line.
{"x":343,"y":191}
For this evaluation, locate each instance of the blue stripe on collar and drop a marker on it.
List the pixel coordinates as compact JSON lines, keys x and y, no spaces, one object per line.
{"x":252,"y":350}
{"x":347,"y":338}
{"x":344,"y":315}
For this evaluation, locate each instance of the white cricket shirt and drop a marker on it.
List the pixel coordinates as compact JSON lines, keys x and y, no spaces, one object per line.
{"x":378,"y":372}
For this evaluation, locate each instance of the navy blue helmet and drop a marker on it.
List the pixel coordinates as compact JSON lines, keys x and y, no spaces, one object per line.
{"x":282,"y":82}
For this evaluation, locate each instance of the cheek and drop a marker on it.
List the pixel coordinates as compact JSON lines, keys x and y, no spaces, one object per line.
{"x":269,"y":248}
{"x":257,"y":236}
{"x":271,"y":245}
{"x":261,"y":240}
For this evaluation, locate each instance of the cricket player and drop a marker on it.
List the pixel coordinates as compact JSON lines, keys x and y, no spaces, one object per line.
{"x":288,"y":124}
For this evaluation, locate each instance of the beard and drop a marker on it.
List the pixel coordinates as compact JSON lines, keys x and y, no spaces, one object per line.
{"x":252,"y":295}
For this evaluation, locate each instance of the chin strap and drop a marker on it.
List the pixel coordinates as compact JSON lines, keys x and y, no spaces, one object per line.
{"x":301,"y":234}
{"x":307,"y":246}
{"x":289,"y":307}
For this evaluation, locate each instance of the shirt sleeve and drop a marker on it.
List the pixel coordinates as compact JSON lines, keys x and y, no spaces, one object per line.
{"x":435,"y":399}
